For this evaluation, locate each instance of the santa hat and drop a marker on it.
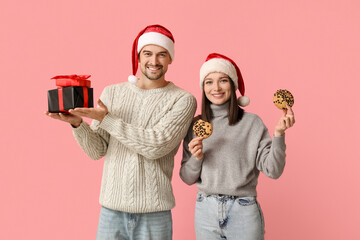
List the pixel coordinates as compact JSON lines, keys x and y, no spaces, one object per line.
{"x":219,"y":63}
{"x":153,"y":34}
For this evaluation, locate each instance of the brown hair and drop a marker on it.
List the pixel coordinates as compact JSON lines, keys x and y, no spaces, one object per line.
{"x":235,"y":113}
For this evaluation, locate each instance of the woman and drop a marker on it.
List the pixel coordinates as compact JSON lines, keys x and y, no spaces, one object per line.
{"x":226,"y":166}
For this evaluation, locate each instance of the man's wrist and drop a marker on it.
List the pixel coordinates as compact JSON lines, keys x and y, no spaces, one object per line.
{"x":76,"y":124}
{"x":100,"y":120}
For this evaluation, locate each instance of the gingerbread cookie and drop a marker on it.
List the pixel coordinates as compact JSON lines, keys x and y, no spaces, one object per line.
{"x":202,"y":129}
{"x":282,"y":98}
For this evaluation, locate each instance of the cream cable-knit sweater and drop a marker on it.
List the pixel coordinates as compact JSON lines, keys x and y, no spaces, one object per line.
{"x":139,"y":138}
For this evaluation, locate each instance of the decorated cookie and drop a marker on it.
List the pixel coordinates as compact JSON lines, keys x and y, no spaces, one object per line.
{"x":202,"y":129}
{"x":282,"y":98}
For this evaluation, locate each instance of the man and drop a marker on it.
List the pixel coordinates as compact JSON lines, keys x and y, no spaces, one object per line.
{"x":138,"y":128}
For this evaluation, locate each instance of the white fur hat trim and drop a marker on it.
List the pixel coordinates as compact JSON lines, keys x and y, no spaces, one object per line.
{"x":218,"y":65}
{"x":156,"y":39}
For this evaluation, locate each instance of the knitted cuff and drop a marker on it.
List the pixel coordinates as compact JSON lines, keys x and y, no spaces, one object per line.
{"x":82,"y":129}
{"x":107,"y":123}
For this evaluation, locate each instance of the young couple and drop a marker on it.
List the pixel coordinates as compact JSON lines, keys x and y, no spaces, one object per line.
{"x":138,"y":126}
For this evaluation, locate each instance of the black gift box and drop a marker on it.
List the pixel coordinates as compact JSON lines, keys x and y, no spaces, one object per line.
{"x":73,"y":97}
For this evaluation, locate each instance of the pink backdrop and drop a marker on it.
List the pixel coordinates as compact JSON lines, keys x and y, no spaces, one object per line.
{"x":50,"y":188}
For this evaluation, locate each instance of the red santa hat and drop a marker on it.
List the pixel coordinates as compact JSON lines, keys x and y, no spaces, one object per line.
{"x":152,"y":34}
{"x":216,"y":62}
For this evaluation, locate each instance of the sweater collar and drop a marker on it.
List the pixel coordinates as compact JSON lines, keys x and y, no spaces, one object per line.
{"x":151,"y":91}
{"x":220,"y":110}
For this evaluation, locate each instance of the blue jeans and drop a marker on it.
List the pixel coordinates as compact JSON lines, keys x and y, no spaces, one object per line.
{"x":228,"y":217}
{"x":134,"y":226}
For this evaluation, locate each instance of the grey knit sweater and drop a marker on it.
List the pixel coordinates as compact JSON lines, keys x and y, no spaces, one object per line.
{"x":233,"y":156}
{"x":139,"y":138}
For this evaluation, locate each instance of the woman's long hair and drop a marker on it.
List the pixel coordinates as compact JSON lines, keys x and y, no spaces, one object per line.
{"x":235,"y":113}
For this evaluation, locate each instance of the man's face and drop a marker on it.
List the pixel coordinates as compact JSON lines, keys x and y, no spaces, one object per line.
{"x":154,"y":61}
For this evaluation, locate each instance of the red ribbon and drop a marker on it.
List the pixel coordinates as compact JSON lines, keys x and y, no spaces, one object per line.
{"x":72,"y":80}
{"x":61,"y":100}
{"x":86,"y":97}
{"x":74,"y":77}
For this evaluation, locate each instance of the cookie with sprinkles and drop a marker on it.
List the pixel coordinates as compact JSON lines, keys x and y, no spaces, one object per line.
{"x":202,"y":128}
{"x":282,"y":98}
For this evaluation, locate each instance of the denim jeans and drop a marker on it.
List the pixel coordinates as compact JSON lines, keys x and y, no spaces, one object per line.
{"x":134,"y":226}
{"x":228,"y":217}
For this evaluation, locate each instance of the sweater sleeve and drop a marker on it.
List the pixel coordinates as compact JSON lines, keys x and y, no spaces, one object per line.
{"x":271,"y":155}
{"x":93,"y":140}
{"x":190,"y":167}
{"x":159,"y":140}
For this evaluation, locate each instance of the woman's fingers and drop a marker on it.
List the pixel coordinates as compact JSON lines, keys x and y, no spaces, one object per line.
{"x":199,"y":154}
{"x":292,"y":119}
{"x":290,"y":115}
{"x":289,"y":110}
{"x":194,"y":142}
{"x":196,"y":148}
{"x":287,"y":122}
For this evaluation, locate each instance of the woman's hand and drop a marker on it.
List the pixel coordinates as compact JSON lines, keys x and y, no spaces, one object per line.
{"x":196,"y":148}
{"x":286,"y":121}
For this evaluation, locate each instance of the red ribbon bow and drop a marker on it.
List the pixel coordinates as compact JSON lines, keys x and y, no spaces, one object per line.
{"x":72,"y":80}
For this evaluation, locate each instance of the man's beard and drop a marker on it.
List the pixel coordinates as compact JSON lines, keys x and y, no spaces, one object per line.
{"x":152,"y":77}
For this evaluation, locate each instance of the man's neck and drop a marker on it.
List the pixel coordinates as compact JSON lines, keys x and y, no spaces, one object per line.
{"x":145,"y":83}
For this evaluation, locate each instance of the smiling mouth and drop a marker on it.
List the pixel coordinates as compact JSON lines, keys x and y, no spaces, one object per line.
{"x":154,"y":68}
{"x":218,"y":95}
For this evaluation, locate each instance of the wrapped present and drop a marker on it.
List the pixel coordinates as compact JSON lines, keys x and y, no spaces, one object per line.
{"x":73,"y":91}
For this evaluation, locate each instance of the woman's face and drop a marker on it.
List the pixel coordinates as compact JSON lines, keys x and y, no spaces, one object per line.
{"x":217,"y":87}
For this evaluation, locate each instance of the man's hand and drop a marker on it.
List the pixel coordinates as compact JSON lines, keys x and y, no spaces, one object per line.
{"x":286,"y":121}
{"x":97,"y":113}
{"x":195,"y":147}
{"x":69,"y":118}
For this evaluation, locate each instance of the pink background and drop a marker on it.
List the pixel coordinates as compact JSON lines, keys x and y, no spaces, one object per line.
{"x":50,"y":188}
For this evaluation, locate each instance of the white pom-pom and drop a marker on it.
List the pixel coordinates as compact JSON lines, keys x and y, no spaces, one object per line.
{"x":243,"y":101}
{"x":132,"y":79}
